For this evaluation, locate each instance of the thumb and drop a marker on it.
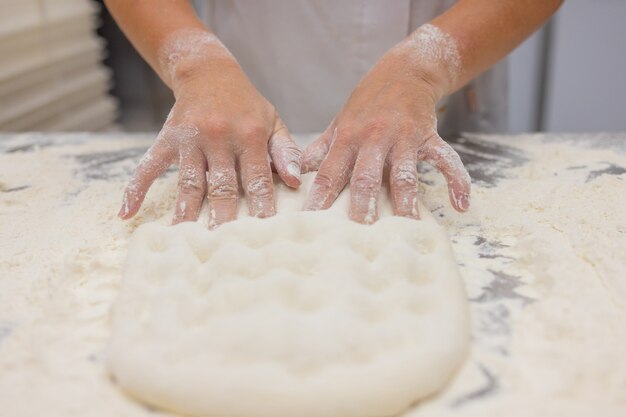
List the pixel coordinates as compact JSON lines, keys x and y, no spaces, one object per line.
{"x":315,"y":153}
{"x":286,"y":155}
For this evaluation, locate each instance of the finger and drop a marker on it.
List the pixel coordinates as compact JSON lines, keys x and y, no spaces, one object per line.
{"x":151,"y":166}
{"x":403,"y":180}
{"x":315,"y":153}
{"x":331,"y":178}
{"x":286,"y":156}
{"x":441,"y":155}
{"x":256,"y":178}
{"x":191,"y":186}
{"x":365,"y":185}
{"x":222,"y":189}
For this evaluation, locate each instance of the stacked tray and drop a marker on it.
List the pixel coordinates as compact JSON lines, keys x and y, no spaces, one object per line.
{"x":51,"y":75}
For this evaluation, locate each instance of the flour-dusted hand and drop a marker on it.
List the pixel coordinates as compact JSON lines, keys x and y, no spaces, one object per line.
{"x":389,"y":120}
{"x":220,"y":130}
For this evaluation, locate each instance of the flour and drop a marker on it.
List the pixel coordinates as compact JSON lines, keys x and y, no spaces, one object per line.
{"x":430,"y":45}
{"x":174,"y":141}
{"x":314,"y":155}
{"x":187,"y":45}
{"x":564,"y":235}
{"x":294,"y":169}
{"x":541,"y":255}
{"x":371,"y":210}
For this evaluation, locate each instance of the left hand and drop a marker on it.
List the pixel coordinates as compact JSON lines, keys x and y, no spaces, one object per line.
{"x":389,"y":120}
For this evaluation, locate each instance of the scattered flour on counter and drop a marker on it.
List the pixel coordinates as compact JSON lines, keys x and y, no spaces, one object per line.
{"x":548,"y":333}
{"x":563,"y":230}
{"x":61,"y":254}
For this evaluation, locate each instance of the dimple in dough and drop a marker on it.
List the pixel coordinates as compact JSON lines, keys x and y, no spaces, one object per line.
{"x":304,"y":314}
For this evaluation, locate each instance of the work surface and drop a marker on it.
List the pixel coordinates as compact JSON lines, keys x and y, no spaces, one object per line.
{"x":542,"y":253}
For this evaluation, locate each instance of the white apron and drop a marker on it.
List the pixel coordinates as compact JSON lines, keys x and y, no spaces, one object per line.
{"x":306,"y":56}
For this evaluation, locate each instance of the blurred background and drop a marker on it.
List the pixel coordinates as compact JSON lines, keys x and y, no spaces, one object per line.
{"x":65,"y":66}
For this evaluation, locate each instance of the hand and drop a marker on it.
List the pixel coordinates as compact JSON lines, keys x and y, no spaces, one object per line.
{"x":219,"y":125}
{"x":389,"y":120}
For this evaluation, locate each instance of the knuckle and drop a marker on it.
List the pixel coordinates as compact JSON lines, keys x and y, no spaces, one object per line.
{"x":222,"y":186}
{"x":405,"y":128}
{"x":376,"y":126}
{"x":429,"y":139}
{"x":447,"y":157}
{"x":364,"y":183}
{"x":344,"y":134}
{"x":182,"y":133}
{"x":252,"y":130}
{"x":323,"y":182}
{"x":404,"y":183}
{"x":215,"y":126}
{"x":259,"y":186}
{"x":292,"y":151}
{"x":189,"y":185}
{"x":222,"y":191}
{"x":404,"y":177}
{"x":292,"y":154}
{"x":150,"y":165}
{"x":189,"y":181}
{"x":462,"y":178}
{"x":285,"y":148}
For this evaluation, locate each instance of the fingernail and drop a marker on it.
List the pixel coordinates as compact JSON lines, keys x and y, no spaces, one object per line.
{"x":294,"y":170}
{"x":124,"y":209}
{"x":463,"y":202}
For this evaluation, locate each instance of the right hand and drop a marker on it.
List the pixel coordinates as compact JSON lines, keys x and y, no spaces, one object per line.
{"x":220,"y":125}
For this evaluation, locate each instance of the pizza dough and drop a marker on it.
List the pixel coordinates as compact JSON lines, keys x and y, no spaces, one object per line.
{"x":304,"y":314}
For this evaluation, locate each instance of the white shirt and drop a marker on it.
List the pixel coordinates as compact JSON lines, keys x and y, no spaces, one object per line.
{"x":306,"y":56}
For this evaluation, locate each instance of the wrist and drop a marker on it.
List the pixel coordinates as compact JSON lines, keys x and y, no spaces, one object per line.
{"x":187,"y":71}
{"x":433,"y":57}
{"x":187,"y":53}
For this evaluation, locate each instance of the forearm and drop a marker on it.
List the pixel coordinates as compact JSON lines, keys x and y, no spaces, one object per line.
{"x":475,"y":34}
{"x":150,"y":24}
